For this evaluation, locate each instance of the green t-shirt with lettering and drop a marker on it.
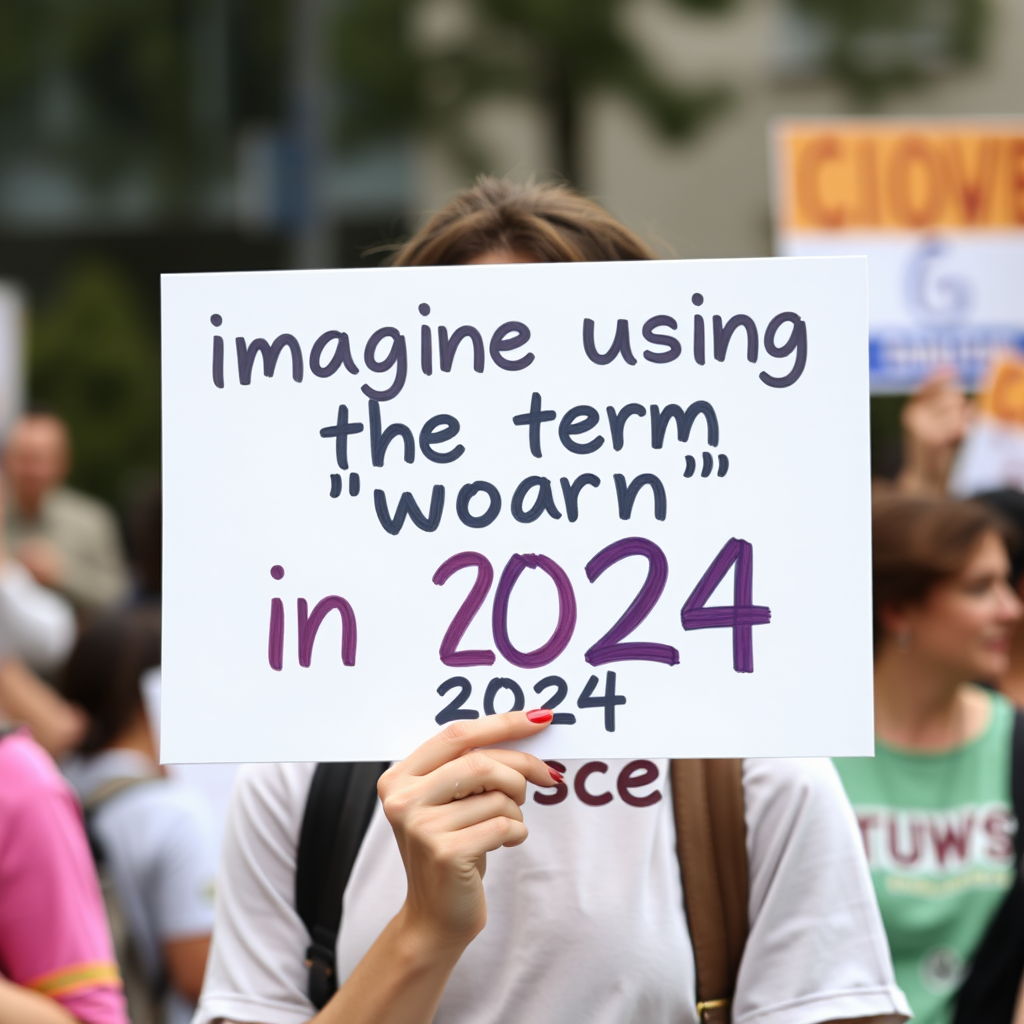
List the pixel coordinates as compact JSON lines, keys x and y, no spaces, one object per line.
{"x":938,"y":832}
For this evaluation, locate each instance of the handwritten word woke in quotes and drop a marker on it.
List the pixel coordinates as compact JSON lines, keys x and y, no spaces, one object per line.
{"x":589,"y":462}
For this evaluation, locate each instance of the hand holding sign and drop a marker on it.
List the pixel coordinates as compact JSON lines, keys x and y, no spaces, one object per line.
{"x":450,"y":803}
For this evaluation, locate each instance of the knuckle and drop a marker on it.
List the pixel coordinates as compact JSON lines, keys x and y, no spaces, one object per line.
{"x":507,"y":722}
{"x":385,"y":783}
{"x":503,"y":827}
{"x":455,"y":733}
{"x":477,"y":763}
{"x":396,"y":805}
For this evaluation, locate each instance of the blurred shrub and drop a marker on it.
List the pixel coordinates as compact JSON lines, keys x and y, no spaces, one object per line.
{"x":94,"y":359}
{"x":402,"y":75}
{"x":874,"y":47}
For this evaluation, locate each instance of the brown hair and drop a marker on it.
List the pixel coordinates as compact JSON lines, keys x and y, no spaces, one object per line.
{"x":103,"y":673}
{"x":918,"y":543}
{"x":547,"y":223}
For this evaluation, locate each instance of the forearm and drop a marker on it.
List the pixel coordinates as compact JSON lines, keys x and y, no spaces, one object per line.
{"x":399,"y":981}
{"x":28,"y":1007}
{"x":56,"y":725}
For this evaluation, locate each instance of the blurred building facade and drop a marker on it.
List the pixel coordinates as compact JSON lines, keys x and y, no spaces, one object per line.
{"x":710,"y":195}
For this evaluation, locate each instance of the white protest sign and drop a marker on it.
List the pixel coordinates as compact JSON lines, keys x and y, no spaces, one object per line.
{"x":636,"y":493}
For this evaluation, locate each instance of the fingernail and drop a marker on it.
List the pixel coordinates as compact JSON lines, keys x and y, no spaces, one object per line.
{"x":540,"y":715}
{"x":557,"y":776}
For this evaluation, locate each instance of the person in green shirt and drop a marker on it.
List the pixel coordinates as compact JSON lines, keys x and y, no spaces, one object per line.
{"x":935,"y":805}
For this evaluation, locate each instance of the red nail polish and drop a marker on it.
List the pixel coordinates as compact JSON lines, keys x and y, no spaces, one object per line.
{"x":557,"y":776}
{"x":540,"y":715}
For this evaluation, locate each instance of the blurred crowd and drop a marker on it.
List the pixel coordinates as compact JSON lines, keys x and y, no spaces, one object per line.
{"x":107,"y":862}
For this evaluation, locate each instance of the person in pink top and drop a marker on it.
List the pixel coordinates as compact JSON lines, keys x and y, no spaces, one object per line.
{"x":57,"y":964}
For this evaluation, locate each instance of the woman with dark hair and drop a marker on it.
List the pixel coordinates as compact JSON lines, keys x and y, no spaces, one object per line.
{"x":935,"y":804}
{"x":585,"y":919}
{"x":153,"y":836}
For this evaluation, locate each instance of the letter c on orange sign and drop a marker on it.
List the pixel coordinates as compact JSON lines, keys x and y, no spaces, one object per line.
{"x":808,"y":182}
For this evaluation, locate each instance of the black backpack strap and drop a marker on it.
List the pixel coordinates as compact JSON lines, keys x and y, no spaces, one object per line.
{"x":342,"y":797}
{"x":989,"y":993}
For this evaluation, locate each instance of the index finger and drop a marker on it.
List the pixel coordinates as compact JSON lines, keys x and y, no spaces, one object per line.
{"x":459,"y":738}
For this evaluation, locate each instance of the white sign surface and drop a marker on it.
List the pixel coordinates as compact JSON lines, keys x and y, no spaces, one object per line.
{"x":637,"y":493}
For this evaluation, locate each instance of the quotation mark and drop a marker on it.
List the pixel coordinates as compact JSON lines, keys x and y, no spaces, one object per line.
{"x":707,"y":465}
{"x":337,"y":484}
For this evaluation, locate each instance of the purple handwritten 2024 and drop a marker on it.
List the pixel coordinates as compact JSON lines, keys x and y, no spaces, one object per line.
{"x":741,"y":616}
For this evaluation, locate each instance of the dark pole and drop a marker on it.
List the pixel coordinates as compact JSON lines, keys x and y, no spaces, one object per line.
{"x":309,"y":227}
{"x":565,"y":117}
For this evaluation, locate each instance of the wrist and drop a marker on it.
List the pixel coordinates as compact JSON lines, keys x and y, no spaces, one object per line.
{"x":423,"y":945}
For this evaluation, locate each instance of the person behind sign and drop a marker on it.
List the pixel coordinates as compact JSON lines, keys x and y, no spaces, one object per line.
{"x":67,"y":540}
{"x":583,"y":920}
{"x":56,"y":961}
{"x":936,"y":805}
{"x":152,"y":835}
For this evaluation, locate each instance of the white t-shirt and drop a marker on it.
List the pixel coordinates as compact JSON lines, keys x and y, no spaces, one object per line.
{"x":159,"y":841}
{"x":585,"y":919}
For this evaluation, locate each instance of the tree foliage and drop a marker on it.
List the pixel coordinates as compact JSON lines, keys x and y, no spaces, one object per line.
{"x":874,"y":47}
{"x":556,"y":54}
{"x":159,"y":89}
{"x":94,"y":361}
{"x":154,"y":90}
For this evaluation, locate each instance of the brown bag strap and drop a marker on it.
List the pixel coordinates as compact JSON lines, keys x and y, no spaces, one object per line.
{"x":707,"y":796}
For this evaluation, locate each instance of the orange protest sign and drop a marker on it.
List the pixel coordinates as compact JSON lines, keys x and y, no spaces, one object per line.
{"x":1002,"y":398}
{"x":882,"y":175}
